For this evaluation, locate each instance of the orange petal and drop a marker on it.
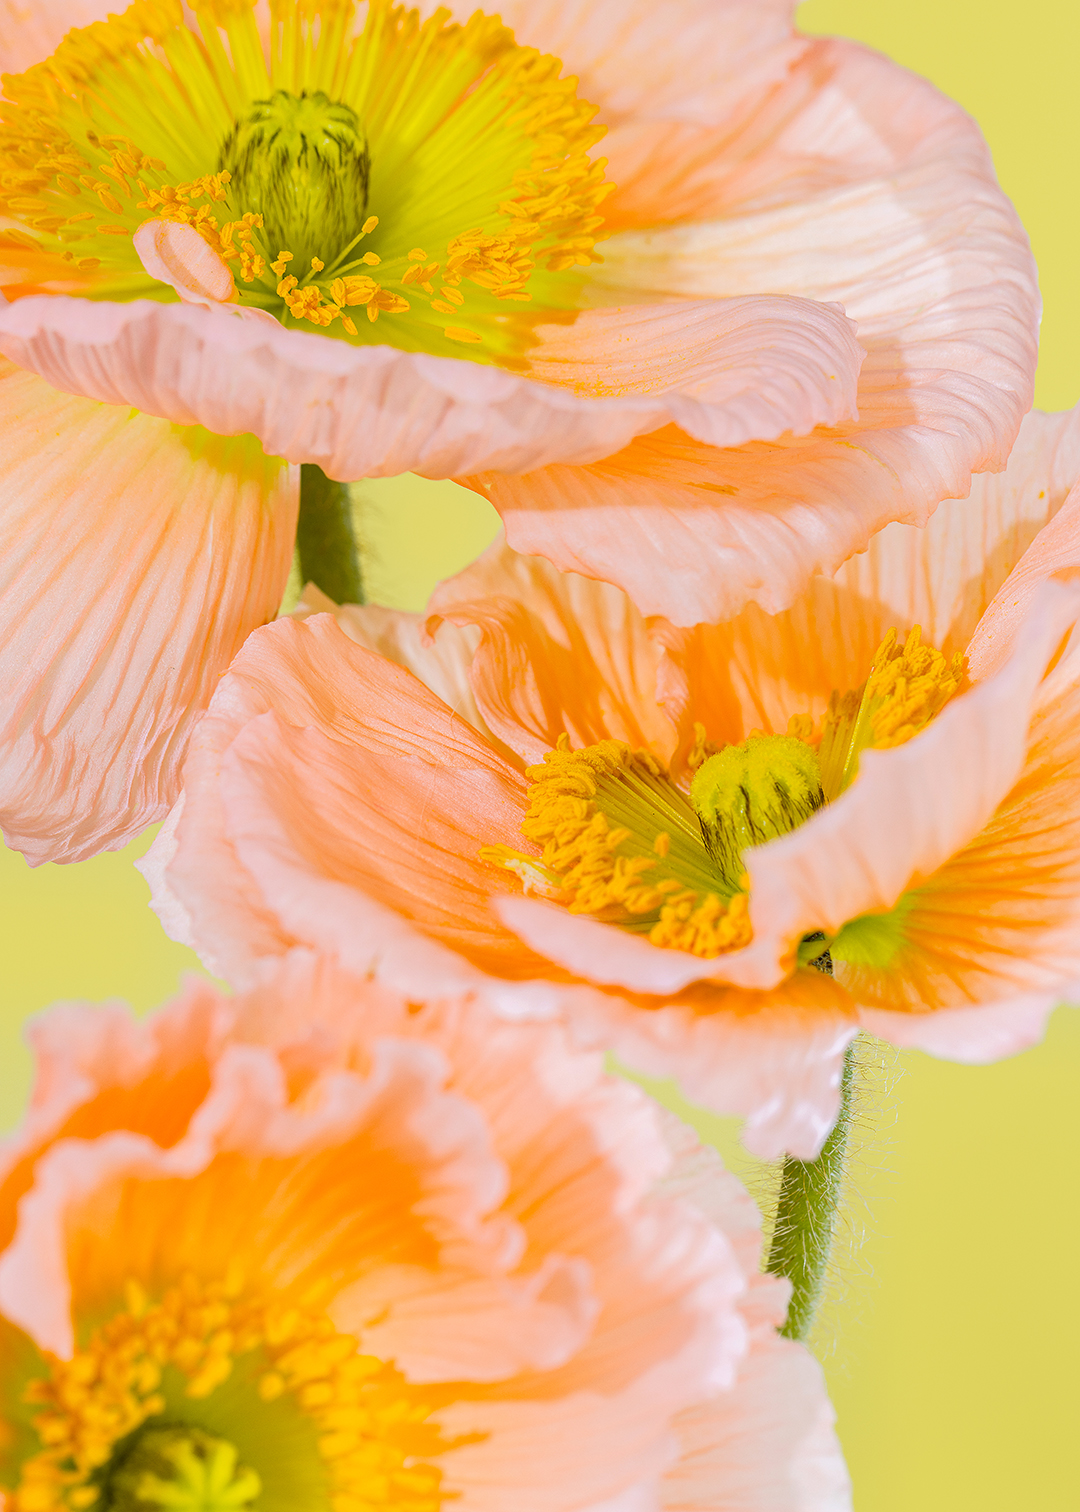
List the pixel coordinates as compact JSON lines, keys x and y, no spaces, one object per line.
{"x":911,"y":809}
{"x":311,"y":743}
{"x":558,"y":654}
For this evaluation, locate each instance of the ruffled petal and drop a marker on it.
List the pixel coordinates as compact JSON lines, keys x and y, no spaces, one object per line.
{"x":557,"y":654}
{"x":911,"y":808}
{"x":757,"y":670}
{"x":1055,"y":552}
{"x":731,"y":369}
{"x":858,"y":184}
{"x":137,"y":558}
{"x":419,"y":1158}
{"x":97,"y":1071}
{"x":944,"y":575}
{"x":375,"y":411}
{"x":441,"y":664}
{"x":311,"y":741}
{"x":691,"y":60}
{"x":774,"y":1057}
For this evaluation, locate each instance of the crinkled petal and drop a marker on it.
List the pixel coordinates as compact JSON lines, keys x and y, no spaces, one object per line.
{"x":859,"y":184}
{"x":691,"y":60}
{"x":96,"y":1071}
{"x":420,"y":1156}
{"x":755,"y":367}
{"x":137,"y":558}
{"x":375,"y":411}
{"x":1055,"y":552}
{"x":913,"y":807}
{"x":311,"y":741}
{"x":445,"y":1327}
{"x":756,"y":670}
{"x":774,"y":1058}
{"x":768,"y":1446}
{"x":944,"y":575}
{"x":557,"y":654}
{"x":442,"y":664}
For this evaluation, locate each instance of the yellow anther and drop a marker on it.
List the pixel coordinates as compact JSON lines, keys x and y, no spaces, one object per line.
{"x":907,"y":687}
{"x":363,"y":1414}
{"x":620,"y":842}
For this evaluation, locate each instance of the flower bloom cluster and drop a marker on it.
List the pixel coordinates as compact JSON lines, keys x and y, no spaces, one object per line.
{"x":351,"y":1252}
{"x":706,"y":309}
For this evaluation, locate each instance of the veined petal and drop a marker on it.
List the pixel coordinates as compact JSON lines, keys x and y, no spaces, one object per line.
{"x":318,"y":740}
{"x":871,"y":190}
{"x":137,"y":558}
{"x":754,"y":670}
{"x":943,"y":575}
{"x":1054,"y":553}
{"x":914,"y":807}
{"x":557,"y":653}
{"x":441,"y":664}
{"x":662,"y":60}
{"x":376,"y":411}
{"x":748,"y":368}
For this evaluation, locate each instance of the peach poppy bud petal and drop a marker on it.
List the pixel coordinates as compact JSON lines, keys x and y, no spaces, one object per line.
{"x":176,"y":254}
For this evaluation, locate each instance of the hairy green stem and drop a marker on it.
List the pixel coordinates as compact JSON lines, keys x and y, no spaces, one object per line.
{"x":325,"y":538}
{"x":806,"y":1216}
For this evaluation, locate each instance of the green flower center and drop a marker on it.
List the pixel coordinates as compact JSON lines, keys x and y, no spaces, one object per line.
{"x":185,"y":1469}
{"x":301,"y":161}
{"x":747,"y":794}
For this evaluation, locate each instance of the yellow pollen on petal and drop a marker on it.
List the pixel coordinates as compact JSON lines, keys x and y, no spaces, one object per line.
{"x":140,"y":1378}
{"x":620,"y":842}
{"x":475,"y":153}
{"x":908,"y":685}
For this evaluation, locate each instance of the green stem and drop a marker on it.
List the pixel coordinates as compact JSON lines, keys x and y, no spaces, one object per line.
{"x":806,"y":1216}
{"x":325,"y":538}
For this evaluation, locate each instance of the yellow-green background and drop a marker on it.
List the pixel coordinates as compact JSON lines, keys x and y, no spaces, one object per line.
{"x":952,"y":1338}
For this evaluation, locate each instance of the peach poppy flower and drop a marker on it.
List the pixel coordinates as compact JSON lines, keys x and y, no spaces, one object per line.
{"x":317,"y":1247}
{"x":433,"y":300}
{"x":704,"y":814}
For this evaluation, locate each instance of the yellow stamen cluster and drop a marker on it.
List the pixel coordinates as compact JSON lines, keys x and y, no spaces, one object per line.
{"x":908,"y":685}
{"x":706,"y":929}
{"x":369,"y":1426}
{"x":621,"y":843}
{"x":455,"y":121}
{"x":232,"y":241}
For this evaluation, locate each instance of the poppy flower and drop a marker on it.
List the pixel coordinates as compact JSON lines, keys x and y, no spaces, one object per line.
{"x":718,"y":851}
{"x":373,"y":241}
{"x":318,"y":1247}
